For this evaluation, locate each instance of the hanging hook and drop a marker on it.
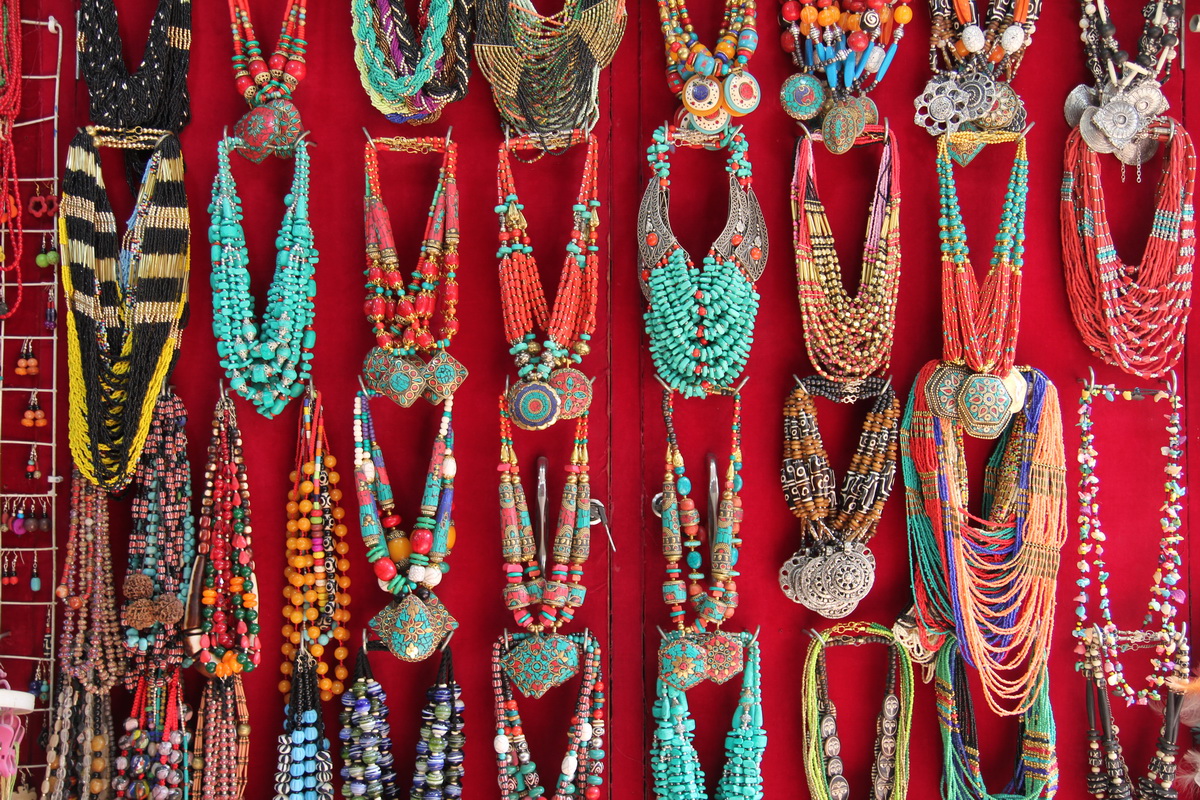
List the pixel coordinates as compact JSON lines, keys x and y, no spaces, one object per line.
{"x":449,"y":131}
{"x":662,"y":383}
{"x":661,"y":632}
{"x":370,"y":140}
{"x":1028,"y":128}
{"x":446,"y":641}
{"x":598,"y":515}
{"x":363,"y":386}
{"x":745,"y":380}
{"x":887,"y":385}
{"x":1091,"y":377}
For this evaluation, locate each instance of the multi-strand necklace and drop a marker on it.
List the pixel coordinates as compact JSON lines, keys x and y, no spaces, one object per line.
{"x":408,"y":565}
{"x":318,"y":583}
{"x":545,"y":71}
{"x":272,"y":125}
{"x":304,"y":768}
{"x":840,"y":58}
{"x":714,"y":85}
{"x":267,"y":362}
{"x":12,"y":225}
{"x":848,"y":338}
{"x":834,"y":569}
{"x":153,"y":750}
{"x":411,"y":77}
{"x":402,"y":314}
{"x":823,"y":764}
{"x":550,"y":386}
{"x":126,"y":298}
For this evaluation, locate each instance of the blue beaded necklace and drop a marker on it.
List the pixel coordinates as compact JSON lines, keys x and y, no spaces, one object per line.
{"x":267,"y":362}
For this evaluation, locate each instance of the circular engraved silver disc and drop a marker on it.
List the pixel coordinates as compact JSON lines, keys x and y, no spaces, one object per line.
{"x":1092,"y":135}
{"x":1080,"y":98}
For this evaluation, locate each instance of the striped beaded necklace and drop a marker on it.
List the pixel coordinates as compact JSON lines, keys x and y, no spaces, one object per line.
{"x":304,"y":767}
{"x":848,"y":338}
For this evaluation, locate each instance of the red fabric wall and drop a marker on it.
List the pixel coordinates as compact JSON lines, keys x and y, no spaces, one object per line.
{"x":627,"y":432}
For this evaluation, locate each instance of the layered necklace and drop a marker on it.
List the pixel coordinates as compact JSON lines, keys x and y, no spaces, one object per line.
{"x":402,"y":314}
{"x":700,"y":319}
{"x":272,"y":125}
{"x":974,"y":55}
{"x":714,"y":84}
{"x":126,"y":298}
{"x":408,"y":565}
{"x":840,"y":58}
{"x":545,"y":71}
{"x":411,"y":77}
{"x":1133,"y":316}
{"x":222,"y":633}
{"x":267,"y":362}
{"x":550,"y":387}
{"x":834,"y":569}
{"x":304,"y":767}
{"x":153,"y":750}
{"x":823,"y":746}
{"x":11,"y":224}
{"x":848,"y":338}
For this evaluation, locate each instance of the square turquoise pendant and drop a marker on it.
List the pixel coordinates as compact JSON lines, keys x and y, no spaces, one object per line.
{"x":443,"y":375}
{"x":401,"y":379}
{"x":539,"y":663}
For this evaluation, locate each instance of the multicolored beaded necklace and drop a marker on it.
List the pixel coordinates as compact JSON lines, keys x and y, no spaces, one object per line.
{"x":411,"y":78}
{"x":272,"y":125}
{"x":409,"y":566}
{"x":841,"y":58}
{"x":401,"y":315}
{"x":550,"y":386}
{"x":1159,"y":626}
{"x":848,"y":338}
{"x":823,"y":746}
{"x":318,"y":583}
{"x":714,"y":85}
{"x":152,"y":761}
{"x":304,"y":768}
{"x":834,"y":569}
{"x":267,"y":362}
{"x":121,"y":343}
{"x":12,"y":225}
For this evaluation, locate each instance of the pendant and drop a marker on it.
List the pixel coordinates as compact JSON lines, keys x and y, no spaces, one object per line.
{"x":539,"y":663}
{"x":725,"y":656}
{"x":443,"y":375}
{"x":701,"y":95}
{"x":269,"y":129}
{"x":1080,"y":98}
{"x":401,"y":379}
{"x":1007,"y":112}
{"x":984,"y":404}
{"x":741,"y":94}
{"x":574,"y":392}
{"x":842,"y":126}
{"x":1119,"y":121}
{"x":942,"y":390}
{"x":682,"y":660}
{"x":413,"y":628}
{"x":1018,"y":387}
{"x":534,"y":405}
{"x":961,"y":149}
{"x":1095,"y":139}
{"x":940,"y":106}
{"x":802,"y":96}
{"x":979,"y":95}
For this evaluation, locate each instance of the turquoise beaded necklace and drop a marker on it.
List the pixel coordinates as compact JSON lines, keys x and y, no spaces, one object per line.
{"x":267,"y":362}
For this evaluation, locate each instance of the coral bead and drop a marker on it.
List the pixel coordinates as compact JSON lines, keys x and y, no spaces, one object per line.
{"x":791,"y":10}
{"x":422,"y":540}
{"x":385,"y":568}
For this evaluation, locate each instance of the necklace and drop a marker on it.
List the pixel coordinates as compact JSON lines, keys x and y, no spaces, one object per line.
{"x":269,"y":362}
{"x":11,"y":224}
{"x":989,"y":579}
{"x":162,"y":546}
{"x":700,"y":320}
{"x":154,"y":745}
{"x":975,"y":57}
{"x":582,"y":768}
{"x":1036,"y":774}
{"x":840,"y":58}
{"x":79,"y":750}
{"x":367,"y":754}
{"x":407,"y":565}
{"x":401,"y":315}
{"x":834,"y":569}
{"x":1133,"y":316}
{"x":272,"y":125}
{"x":411,"y":79}
{"x":545,"y":71}
{"x":848,"y":338}
{"x":550,"y":387}
{"x":304,"y":768}
{"x":977,"y":385}
{"x":673,"y":757}
{"x":1166,"y":592}
{"x":318,"y":583}
{"x":222,"y":741}
{"x":822,"y":744}
{"x":121,"y":343}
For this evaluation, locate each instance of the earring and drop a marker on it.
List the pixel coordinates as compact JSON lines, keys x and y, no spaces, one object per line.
{"x":37,"y":203}
{"x":34,"y":416}
{"x":51,"y":320}
{"x":18,"y":523}
{"x":39,"y":686}
{"x":4,"y":518}
{"x":33,"y":470}
{"x":27,"y":364}
{"x":8,"y":576}
{"x":35,"y":580}
{"x":49,"y":255}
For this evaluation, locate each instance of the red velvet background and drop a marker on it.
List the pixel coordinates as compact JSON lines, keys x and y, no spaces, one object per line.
{"x":626,"y":429}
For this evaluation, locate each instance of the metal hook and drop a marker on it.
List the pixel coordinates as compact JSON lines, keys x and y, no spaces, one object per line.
{"x":1091,"y":377}
{"x":887,"y":385}
{"x":1174,"y":383}
{"x":370,"y":140}
{"x":221,"y":387}
{"x":662,"y":383}
{"x":364,"y":644}
{"x":1028,"y":128}
{"x":301,"y":138}
{"x":757,"y":631}
{"x":362,"y":385}
{"x":887,"y":130}
{"x":449,"y":131}
{"x":796,"y":378}
{"x":543,"y":465}
{"x":745,"y":380}
{"x":661,"y":632}
{"x":224,"y":133}
{"x":446,"y":641}
{"x":598,"y":515}
{"x":804,"y":129}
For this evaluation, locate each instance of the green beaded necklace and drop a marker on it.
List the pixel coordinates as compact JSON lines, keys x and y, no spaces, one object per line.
{"x":267,"y":362}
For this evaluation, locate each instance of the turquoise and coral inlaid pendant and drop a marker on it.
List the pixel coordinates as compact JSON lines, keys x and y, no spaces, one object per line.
{"x":984,"y":405}
{"x":534,"y":405}
{"x":941,"y":393}
{"x":802,"y":96}
{"x":443,"y":375}
{"x":269,"y":130}
{"x":413,"y":628}
{"x":537,"y":663}
{"x":574,"y":392}
{"x":682,"y":660}
{"x":401,"y":379}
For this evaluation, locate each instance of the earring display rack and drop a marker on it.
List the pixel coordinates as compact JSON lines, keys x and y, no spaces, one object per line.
{"x":28,"y":640}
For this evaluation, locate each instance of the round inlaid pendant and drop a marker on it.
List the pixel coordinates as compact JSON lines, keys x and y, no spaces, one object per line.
{"x":741,"y":94}
{"x":574,"y":392}
{"x":870,"y":111}
{"x":984,"y":405}
{"x":269,"y":129}
{"x":802,"y":96}
{"x":715,"y":122}
{"x":534,"y":405}
{"x":701,"y":95}
{"x":942,"y":390}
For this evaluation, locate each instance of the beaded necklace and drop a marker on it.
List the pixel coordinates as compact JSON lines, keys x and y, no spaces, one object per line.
{"x":401,"y":315}
{"x":700,"y":320}
{"x":152,"y":760}
{"x":413,"y":80}
{"x":221,"y":749}
{"x":126,"y":297}
{"x":79,"y":750}
{"x":272,"y":125}
{"x":1133,"y":316}
{"x":1166,"y":591}
{"x":304,"y":768}
{"x":1036,"y":772}
{"x":673,"y":757}
{"x":841,"y":58}
{"x":545,"y":71}
{"x":834,"y":569}
{"x":11,"y":224}
{"x":848,"y":338}
{"x":317,"y":590}
{"x":975,"y":58}
{"x":550,"y":386}
{"x":823,"y":746}
{"x":268,"y":362}
{"x":714,"y":85}
{"x":989,"y":579}
{"x":407,"y":565}
{"x":162,"y":546}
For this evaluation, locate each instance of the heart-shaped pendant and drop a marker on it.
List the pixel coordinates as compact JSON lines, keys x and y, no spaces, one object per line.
{"x":401,"y":379}
{"x":539,"y":663}
{"x":269,"y":129}
{"x":413,"y":628}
